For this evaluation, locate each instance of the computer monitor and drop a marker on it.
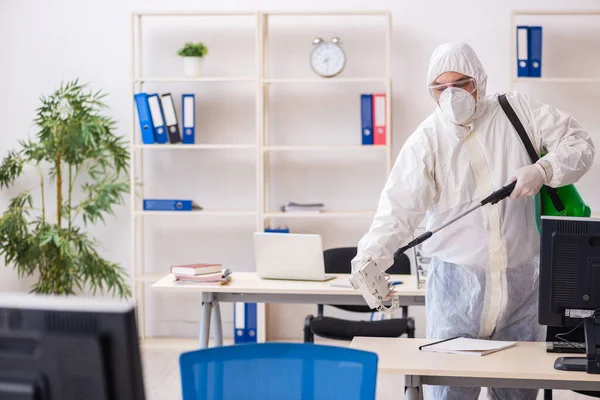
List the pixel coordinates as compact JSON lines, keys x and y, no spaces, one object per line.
{"x":68,"y":348}
{"x":569,"y":294}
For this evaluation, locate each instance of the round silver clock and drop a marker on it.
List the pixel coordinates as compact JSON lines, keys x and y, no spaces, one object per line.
{"x":327,"y":58}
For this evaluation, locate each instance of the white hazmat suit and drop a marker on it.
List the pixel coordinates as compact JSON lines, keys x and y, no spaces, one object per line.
{"x":483,"y":277}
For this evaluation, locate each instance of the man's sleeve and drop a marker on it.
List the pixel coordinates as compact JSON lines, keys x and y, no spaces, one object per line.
{"x":568,"y":147}
{"x":406,"y":196}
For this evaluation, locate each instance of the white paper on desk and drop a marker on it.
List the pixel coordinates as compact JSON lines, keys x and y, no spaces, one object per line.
{"x":476,"y":347}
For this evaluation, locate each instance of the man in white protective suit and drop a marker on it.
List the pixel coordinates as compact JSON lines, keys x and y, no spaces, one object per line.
{"x":483,"y":277}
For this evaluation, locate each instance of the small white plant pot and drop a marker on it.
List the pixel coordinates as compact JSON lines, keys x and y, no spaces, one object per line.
{"x":192,"y":66}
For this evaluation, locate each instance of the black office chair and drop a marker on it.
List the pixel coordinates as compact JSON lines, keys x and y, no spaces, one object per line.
{"x":337,"y":261}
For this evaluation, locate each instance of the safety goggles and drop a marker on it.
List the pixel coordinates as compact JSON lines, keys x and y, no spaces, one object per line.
{"x":467,"y":84}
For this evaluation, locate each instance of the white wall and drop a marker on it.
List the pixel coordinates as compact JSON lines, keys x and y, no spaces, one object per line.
{"x":44,"y":42}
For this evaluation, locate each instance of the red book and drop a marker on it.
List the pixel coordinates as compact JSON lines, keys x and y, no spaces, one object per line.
{"x":195,"y":269}
{"x":379,"y":119}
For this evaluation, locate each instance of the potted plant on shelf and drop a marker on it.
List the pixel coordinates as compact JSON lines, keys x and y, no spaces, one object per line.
{"x":193,"y":54}
{"x":75,"y":147}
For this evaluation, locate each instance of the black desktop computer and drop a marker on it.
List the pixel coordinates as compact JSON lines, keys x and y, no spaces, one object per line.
{"x":569,"y":294}
{"x":68,"y":348}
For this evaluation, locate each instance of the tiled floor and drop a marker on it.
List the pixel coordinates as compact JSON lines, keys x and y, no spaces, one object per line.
{"x":161,"y":374}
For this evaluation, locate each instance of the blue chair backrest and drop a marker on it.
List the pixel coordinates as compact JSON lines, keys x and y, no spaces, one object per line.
{"x":278,"y":371}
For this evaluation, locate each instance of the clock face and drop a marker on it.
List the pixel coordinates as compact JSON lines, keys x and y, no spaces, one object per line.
{"x":327,"y":59}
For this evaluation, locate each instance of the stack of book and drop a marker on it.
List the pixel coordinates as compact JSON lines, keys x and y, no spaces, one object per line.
{"x":298,"y":207}
{"x":201,"y":273}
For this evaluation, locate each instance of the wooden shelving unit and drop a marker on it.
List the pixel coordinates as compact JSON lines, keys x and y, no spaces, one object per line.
{"x":195,"y":147}
{"x":325,"y":214}
{"x":262,"y":148}
{"x":333,"y":147}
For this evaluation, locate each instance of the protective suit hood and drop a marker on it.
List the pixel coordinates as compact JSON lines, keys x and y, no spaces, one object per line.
{"x":461,"y":58}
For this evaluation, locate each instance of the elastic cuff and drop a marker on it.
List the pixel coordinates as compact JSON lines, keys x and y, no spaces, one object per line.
{"x":542,"y":171}
{"x":546,"y":169}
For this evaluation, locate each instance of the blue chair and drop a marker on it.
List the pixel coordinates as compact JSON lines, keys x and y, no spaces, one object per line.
{"x":278,"y":371}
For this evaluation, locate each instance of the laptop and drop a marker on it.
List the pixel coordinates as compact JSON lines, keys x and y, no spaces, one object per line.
{"x":294,"y":256}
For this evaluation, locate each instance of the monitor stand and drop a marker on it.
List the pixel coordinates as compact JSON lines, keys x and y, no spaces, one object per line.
{"x":591,"y":362}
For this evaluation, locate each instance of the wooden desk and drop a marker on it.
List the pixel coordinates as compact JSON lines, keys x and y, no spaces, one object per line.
{"x":249,"y":288}
{"x":527,"y":365}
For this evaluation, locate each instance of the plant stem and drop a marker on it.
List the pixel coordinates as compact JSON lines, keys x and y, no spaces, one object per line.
{"x":58,"y":189}
{"x":43,"y":196}
{"x":70,"y":192}
{"x":58,"y":200}
{"x":43,"y":264}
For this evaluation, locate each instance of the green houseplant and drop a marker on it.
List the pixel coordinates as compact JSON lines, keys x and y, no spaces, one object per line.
{"x":193,"y":54}
{"x":75,"y":146}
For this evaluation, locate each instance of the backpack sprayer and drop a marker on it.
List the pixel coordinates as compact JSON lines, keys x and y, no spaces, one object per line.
{"x":371,"y":280}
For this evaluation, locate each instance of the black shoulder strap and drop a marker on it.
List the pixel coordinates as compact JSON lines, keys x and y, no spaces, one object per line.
{"x":516,"y":123}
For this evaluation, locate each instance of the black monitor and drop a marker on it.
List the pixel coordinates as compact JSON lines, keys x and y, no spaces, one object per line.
{"x":68,"y":348}
{"x":570,"y":283}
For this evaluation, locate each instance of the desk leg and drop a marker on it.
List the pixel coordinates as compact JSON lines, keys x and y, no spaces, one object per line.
{"x":207,"y":299}
{"x":412,"y":388}
{"x":217,"y":327}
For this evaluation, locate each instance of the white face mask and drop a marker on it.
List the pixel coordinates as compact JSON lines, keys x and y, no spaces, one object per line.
{"x":457,"y":105}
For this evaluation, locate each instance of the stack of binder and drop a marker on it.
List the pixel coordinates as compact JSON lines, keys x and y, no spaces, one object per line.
{"x":158,"y":118}
{"x":529,"y":51}
{"x":373,"y":118}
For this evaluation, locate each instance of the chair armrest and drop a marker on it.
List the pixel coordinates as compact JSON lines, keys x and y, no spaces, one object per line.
{"x":410,"y":327}
{"x":308,"y":334}
{"x":404,"y":311}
